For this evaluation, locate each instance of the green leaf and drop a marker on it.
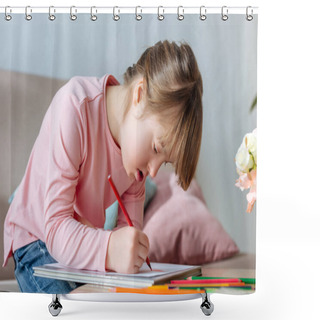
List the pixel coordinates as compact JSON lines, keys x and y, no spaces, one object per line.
{"x":254,"y":104}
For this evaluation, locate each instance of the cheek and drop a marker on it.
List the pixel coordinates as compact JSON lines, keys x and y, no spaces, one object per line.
{"x":137,"y":146}
{"x":144,"y":143}
{"x":139,"y":150}
{"x":132,"y":151}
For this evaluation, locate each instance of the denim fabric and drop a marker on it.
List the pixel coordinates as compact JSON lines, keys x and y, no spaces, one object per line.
{"x":32,"y":255}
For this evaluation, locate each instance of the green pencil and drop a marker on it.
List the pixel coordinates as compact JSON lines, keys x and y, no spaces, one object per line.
{"x":209,"y":288}
{"x":245,"y":280}
{"x":229,"y":290}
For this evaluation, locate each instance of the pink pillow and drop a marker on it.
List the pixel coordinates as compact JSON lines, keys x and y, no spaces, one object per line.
{"x":180,"y":227}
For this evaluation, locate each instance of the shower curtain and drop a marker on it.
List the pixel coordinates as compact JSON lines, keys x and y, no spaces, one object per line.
{"x":39,"y":56}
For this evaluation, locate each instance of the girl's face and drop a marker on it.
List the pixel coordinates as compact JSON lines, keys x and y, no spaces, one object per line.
{"x":143,"y":151}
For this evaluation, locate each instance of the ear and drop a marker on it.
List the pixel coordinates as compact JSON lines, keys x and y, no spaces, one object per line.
{"x":138,"y":102}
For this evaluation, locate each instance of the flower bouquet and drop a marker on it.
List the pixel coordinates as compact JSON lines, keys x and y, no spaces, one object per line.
{"x":246,"y":162}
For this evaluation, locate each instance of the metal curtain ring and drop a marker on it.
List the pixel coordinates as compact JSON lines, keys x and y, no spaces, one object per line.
{"x":116,"y":17}
{"x":138,"y":16}
{"x":203,"y":16}
{"x":93,"y":16}
{"x":224,"y":13}
{"x":7,"y":16}
{"x":28,"y":16}
{"x":249,"y":17}
{"x":160,"y":16}
{"x":180,"y":16}
{"x":52,"y":16}
{"x":73,"y":16}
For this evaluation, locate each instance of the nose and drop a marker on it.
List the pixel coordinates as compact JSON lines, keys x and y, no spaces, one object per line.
{"x":153,"y":168}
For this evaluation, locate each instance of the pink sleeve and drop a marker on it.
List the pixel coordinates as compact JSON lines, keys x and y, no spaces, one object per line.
{"x":68,"y":241}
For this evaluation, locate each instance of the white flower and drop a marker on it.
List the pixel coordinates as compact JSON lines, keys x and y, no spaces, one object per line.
{"x":250,"y":141}
{"x":246,"y":157}
{"x":244,"y":160}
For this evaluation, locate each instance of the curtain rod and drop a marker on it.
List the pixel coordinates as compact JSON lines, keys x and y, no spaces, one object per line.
{"x":129,"y":10}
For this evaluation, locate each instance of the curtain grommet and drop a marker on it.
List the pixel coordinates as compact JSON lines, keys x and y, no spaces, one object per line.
{"x":28,"y":12}
{"x":249,"y":17}
{"x":138,"y":16}
{"x":116,"y":17}
{"x":160,"y":16}
{"x":224,"y":13}
{"x":52,"y":17}
{"x":93,"y":17}
{"x":180,"y":15}
{"x":8,"y":17}
{"x":73,"y":15}
{"x":203,"y":13}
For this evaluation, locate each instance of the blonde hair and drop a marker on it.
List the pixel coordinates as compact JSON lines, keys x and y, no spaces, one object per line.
{"x":174,"y":88}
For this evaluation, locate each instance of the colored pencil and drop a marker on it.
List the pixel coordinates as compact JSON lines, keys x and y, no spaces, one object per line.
{"x":245,"y":287}
{"x":124,"y":210}
{"x":245,"y":280}
{"x":205,"y":285}
{"x":229,"y":289}
{"x":157,"y":290}
{"x":201,"y":281}
{"x":248,"y":280}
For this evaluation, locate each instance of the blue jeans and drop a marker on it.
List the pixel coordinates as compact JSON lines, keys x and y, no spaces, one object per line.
{"x":32,"y":255}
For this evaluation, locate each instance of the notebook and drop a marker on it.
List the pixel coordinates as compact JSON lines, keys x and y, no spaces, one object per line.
{"x":161,"y":272}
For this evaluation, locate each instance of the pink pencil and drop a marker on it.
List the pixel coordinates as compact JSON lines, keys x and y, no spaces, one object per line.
{"x":124,"y":210}
{"x":212,"y":281}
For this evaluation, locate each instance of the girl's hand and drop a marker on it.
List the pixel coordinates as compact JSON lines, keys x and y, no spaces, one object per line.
{"x":127,"y":250}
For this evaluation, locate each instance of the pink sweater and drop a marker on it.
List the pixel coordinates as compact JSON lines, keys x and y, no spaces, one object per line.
{"x":66,"y":180}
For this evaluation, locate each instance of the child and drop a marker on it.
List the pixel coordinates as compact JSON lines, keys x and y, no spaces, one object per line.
{"x":93,"y":128}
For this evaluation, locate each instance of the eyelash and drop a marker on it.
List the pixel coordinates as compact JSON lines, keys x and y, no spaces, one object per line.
{"x":156,"y":151}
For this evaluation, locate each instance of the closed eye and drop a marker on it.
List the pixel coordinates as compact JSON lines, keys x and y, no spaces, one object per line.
{"x":155,"y":149}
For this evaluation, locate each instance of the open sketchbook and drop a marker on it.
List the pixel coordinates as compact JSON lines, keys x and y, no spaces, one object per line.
{"x":161,"y":272}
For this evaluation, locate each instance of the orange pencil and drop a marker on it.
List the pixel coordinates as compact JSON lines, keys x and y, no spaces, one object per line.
{"x":124,"y":210}
{"x":154,"y":290}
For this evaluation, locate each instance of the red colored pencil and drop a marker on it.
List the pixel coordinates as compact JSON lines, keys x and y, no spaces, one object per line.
{"x":124,"y":210}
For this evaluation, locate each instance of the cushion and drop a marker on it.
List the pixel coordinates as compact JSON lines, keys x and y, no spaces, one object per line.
{"x":181,"y":228}
{"x":111,"y":216}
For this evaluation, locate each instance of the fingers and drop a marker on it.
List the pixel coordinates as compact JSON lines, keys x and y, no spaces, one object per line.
{"x":144,"y":246}
{"x":142,"y":253}
{"x":143,"y":240}
{"x":142,"y":250}
{"x":127,"y":251}
{"x":138,"y":264}
{"x":139,"y":249}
